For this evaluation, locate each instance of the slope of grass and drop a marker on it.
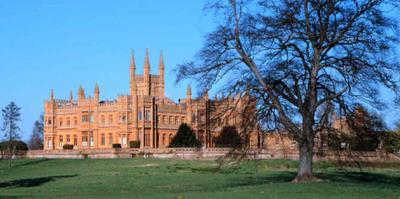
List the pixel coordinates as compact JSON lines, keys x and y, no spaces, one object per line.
{"x":154,"y":178}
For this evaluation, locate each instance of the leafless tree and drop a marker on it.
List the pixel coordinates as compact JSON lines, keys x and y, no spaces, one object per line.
{"x":298,"y":56}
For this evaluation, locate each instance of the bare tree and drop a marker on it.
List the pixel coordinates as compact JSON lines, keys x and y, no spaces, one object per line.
{"x":36,"y":139}
{"x":298,"y":57}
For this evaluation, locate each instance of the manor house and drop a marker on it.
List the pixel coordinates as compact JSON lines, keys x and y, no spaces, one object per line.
{"x":144,"y":115}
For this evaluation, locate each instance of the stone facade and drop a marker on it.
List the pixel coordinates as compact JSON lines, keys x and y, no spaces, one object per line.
{"x":144,"y":115}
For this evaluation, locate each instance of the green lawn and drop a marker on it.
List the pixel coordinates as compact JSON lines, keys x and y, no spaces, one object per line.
{"x":154,"y":178}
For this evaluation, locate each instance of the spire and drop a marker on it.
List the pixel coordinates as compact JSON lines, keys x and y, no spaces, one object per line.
{"x":161,"y":64}
{"x":96,"y":89}
{"x":133,"y":65}
{"x":51,"y":95}
{"x":189,"y":92}
{"x":81,"y":92}
{"x":146,"y":59}
{"x":96,"y":93}
{"x":205,"y":95}
{"x":146,"y":73}
{"x":161,"y":73}
{"x":71,"y":96}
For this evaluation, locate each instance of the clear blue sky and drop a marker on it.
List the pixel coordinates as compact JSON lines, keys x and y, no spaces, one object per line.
{"x":62,"y":44}
{"x":48,"y":44}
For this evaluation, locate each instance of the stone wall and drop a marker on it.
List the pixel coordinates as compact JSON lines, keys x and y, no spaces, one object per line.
{"x":208,"y":154}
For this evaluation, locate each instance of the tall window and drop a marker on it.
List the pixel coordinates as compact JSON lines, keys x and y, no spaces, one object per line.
{"x":84,"y":140}
{"x":68,"y":139}
{"x":85,"y":118}
{"x":75,"y":140}
{"x":147,"y":115}
{"x":110,"y":138}
{"x":103,"y":119}
{"x":61,"y":122}
{"x":139,"y":115}
{"x":75,"y":121}
{"x":110,"y":119}
{"x":103,"y":139}
{"x":61,"y":140}
{"x":68,"y":121}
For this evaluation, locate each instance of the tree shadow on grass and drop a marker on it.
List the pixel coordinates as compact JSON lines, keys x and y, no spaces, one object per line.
{"x":31,"y":182}
{"x":360,"y":178}
{"x":364,"y":178}
{"x":27,"y":163}
{"x":31,"y":162}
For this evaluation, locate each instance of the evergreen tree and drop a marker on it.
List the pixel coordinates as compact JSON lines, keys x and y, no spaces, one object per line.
{"x":229,"y":137}
{"x":11,"y":116}
{"x":36,"y":139}
{"x":185,"y":137}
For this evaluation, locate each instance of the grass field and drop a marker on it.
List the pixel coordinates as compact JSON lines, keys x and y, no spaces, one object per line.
{"x":154,"y":178}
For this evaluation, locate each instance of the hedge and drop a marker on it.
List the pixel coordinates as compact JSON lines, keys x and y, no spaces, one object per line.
{"x":68,"y":147}
{"x":134,"y":144}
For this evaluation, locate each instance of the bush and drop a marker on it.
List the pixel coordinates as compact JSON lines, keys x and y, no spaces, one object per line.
{"x":185,"y":138}
{"x":391,"y":142}
{"x":116,"y":146}
{"x":19,"y":145}
{"x":68,"y":147}
{"x":134,"y":144}
{"x":229,"y":137}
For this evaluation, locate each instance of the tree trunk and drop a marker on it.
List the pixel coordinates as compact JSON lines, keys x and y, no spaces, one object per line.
{"x":305,"y":169}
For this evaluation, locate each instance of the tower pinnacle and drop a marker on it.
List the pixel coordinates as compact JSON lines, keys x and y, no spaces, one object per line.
{"x":133,"y":65}
{"x":146,"y":59}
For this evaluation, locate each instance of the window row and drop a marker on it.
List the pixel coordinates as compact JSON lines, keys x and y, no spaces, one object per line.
{"x":164,"y":119}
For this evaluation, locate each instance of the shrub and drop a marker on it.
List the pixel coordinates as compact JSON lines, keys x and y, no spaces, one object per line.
{"x":229,"y":137}
{"x":68,"y":147}
{"x":116,"y":146}
{"x":391,"y":142}
{"x":19,"y":145}
{"x":134,"y":144}
{"x":185,"y":138}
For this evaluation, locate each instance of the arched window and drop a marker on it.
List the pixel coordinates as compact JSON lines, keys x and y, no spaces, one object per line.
{"x":170,"y":138}
{"x":163,"y":140}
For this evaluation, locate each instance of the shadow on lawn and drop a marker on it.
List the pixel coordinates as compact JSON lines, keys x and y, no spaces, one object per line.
{"x":32,"y":182}
{"x":31,"y":162}
{"x":361,"y":178}
{"x":364,"y":178}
